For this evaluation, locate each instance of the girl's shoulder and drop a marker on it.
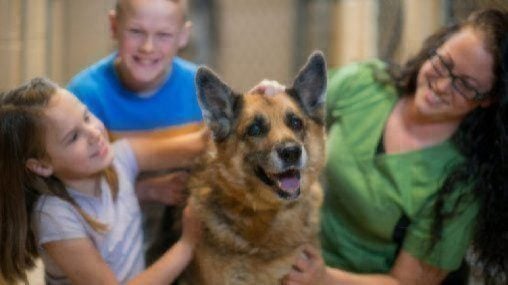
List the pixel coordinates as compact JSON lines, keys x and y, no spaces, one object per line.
{"x":125,"y":159}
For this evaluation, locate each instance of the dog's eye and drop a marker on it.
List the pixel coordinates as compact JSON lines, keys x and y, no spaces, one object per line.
{"x":295,"y":123}
{"x":255,"y":130}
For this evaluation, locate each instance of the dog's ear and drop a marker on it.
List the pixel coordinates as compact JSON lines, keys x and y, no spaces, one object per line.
{"x":309,"y":86}
{"x":217,"y":103}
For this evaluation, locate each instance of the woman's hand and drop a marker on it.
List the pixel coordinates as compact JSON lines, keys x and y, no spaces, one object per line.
{"x":268,"y":87}
{"x":309,"y":269}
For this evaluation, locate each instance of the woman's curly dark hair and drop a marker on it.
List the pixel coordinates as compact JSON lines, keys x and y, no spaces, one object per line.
{"x":482,"y":139}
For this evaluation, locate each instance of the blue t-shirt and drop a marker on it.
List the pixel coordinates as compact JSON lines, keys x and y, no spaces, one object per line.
{"x":174,"y":104}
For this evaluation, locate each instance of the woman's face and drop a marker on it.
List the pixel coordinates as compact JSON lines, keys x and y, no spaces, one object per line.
{"x":448,"y":82}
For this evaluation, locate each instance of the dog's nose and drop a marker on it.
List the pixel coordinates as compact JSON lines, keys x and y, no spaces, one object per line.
{"x":290,"y":154}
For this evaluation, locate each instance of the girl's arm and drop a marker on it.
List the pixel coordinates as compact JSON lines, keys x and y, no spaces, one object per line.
{"x":82,"y":263}
{"x":406,"y":270}
{"x":166,"y":153}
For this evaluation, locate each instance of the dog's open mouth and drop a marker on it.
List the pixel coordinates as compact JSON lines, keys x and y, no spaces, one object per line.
{"x":286,"y":184}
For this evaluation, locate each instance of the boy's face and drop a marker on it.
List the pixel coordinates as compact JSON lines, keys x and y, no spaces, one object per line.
{"x":149,"y":35}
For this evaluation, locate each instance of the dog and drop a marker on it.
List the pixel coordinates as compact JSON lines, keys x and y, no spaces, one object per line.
{"x":258,"y":193}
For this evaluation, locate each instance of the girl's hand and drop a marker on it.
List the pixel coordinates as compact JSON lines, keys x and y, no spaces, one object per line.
{"x":192,"y":226}
{"x":268,"y":87}
{"x":309,"y":269}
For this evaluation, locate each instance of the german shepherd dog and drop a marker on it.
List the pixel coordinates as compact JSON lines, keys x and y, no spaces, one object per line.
{"x":258,"y":192}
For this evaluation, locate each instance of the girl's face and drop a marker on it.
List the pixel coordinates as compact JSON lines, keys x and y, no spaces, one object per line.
{"x":76,"y":141}
{"x":447,"y":82}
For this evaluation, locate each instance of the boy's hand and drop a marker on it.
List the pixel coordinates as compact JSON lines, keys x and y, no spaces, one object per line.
{"x":309,"y":269}
{"x":268,"y":87}
{"x":168,"y":189}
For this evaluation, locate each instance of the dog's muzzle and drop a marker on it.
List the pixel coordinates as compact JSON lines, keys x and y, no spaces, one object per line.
{"x":282,"y":171}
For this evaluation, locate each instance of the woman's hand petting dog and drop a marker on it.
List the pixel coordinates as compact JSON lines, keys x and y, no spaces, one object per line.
{"x":309,"y":268}
{"x":268,"y":87}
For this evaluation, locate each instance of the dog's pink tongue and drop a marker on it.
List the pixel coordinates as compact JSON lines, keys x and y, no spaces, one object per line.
{"x":289,"y":184}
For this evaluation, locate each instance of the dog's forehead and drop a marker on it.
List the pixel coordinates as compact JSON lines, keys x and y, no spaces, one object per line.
{"x":278,"y":102}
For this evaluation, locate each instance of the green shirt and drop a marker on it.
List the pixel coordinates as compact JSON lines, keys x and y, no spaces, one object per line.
{"x":367,"y":193}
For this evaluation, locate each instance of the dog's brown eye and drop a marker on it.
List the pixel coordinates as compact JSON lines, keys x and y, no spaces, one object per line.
{"x":294,"y":122}
{"x":255,"y":130}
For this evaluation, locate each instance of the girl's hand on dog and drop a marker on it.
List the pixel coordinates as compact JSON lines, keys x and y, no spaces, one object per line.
{"x":309,"y":269}
{"x":192,"y":226}
{"x":268,"y":87}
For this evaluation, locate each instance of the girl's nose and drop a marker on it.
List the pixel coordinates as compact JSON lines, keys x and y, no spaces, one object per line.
{"x":94,"y":133}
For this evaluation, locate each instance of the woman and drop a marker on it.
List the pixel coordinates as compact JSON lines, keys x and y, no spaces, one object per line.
{"x":415,"y":163}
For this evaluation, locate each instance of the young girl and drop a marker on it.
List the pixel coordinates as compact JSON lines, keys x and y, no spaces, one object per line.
{"x":67,"y":193}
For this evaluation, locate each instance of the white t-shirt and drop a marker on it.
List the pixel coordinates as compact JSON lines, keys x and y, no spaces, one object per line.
{"x":121,"y":247}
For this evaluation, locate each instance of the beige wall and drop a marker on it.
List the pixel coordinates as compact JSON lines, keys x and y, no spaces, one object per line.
{"x":53,"y":38}
{"x":57,"y":38}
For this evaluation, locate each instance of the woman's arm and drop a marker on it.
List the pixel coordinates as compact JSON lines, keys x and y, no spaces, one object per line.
{"x":82,"y":263}
{"x":407,"y":270}
{"x":166,"y":153}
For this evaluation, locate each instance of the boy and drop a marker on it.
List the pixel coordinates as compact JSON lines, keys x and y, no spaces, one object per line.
{"x":144,"y":89}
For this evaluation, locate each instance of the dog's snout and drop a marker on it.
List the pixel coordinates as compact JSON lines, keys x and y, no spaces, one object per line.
{"x":290,"y":154}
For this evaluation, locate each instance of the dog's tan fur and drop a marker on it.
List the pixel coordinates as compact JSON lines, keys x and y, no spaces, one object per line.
{"x":252,"y":235}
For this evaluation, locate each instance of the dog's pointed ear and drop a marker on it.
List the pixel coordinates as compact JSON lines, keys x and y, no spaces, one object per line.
{"x":310,"y":86}
{"x":217,"y":102}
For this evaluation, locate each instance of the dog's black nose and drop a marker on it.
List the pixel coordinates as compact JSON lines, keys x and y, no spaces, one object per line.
{"x":290,"y":154}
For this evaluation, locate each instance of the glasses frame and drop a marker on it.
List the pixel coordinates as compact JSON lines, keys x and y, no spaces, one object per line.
{"x":478,"y":96}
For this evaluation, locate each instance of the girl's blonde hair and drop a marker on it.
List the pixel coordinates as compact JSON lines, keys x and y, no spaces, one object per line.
{"x":22,"y":137}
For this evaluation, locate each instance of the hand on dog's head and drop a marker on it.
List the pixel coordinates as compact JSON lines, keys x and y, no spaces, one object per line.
{"x":218,"y":102}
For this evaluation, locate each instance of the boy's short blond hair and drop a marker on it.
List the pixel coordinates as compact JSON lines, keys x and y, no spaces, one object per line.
{"x":121,"y":5}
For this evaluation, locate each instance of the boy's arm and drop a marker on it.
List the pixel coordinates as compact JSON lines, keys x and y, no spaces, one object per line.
{"x":166,"y":153}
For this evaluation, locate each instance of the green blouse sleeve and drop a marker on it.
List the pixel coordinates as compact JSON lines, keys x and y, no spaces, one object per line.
{"x":456,"y":236}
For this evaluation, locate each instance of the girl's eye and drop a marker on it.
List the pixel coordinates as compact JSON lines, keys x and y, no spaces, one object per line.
{"x":73,"y":138}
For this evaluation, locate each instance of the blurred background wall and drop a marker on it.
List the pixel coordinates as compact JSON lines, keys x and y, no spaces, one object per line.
{"x":243,"y":40}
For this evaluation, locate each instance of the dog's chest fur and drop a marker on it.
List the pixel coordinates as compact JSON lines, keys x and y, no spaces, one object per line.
{"x":242,"y":245}
{"x":257,"y":192}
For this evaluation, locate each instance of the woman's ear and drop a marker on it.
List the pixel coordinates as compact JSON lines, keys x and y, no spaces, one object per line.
{"x":39,"y":167}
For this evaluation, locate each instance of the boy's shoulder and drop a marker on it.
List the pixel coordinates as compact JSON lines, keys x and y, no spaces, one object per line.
{"x":184,"y":65}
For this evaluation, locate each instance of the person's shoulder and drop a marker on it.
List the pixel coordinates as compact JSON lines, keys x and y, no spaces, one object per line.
{"x":49,"y":204}
{"x":358,"y":68}
{"x":184,"y":65}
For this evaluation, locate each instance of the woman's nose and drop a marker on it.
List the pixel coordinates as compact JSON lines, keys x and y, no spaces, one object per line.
{"x":443,"y":85}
